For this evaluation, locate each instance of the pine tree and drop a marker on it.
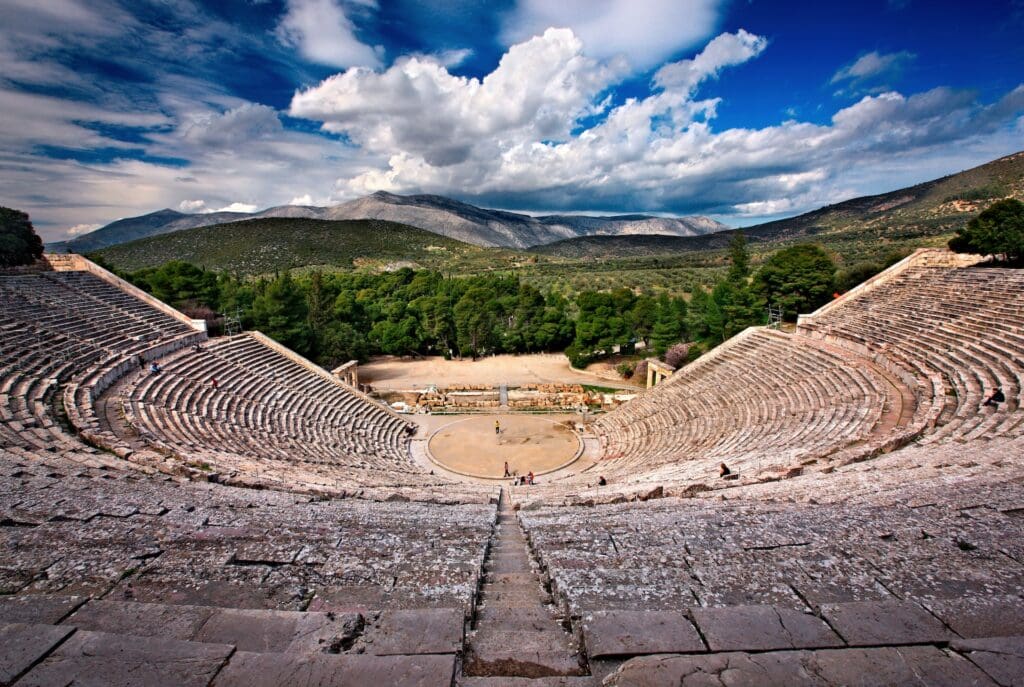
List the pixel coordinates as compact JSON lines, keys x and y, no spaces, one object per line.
{"x":19,"y":243}
{"x":739,"y":257}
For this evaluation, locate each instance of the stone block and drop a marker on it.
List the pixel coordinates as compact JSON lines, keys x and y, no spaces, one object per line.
{"x":21,"y":645}
{"x":419,"y":631}
{"x":634,"y":633}
{"x":910,"y":665}
{"x":916,"y":665}
{"x":141,"y":619}
{"x":1002,"y":658}
{"x":980,"y":616}
{"x":874,"y":623}
{"x":328,"y":670}
{"x":37,"y":608}
{"x":762,"y":628}
{"x":98,"y":659}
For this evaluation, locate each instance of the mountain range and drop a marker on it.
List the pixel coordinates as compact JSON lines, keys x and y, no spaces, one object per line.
{"x":917,"y":215}
{"x":437,"y":214}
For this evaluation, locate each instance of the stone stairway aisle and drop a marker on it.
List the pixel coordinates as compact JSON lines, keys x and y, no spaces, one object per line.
{"x":516,"y":632}
{"x":503,"y":395}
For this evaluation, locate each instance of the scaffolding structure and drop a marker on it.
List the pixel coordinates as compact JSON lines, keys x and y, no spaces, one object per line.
{"x":233,"y":322}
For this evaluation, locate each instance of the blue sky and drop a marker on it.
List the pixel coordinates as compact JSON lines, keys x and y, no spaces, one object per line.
{"x":744,"y":110}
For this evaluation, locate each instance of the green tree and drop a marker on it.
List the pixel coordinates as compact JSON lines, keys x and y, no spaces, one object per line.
{"x":643,"y":317}
{"x":601,"y":323}
{"x":999,"y":230}
{"x":342,"y":342}
{"x":669,"y":324}
{"x":739,"y":259}
{"x":739,"y":307}
{"x":19,"y":242}
{"x":476,"y":317}
{"x":799,"y":278}
{"x":280,"y":312}
{"x":180,"y":284}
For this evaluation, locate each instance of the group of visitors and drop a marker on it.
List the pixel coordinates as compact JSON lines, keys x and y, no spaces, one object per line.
{"x":519,"y":480}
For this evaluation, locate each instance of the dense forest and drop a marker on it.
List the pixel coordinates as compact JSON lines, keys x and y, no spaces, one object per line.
{"x":337,"y":316}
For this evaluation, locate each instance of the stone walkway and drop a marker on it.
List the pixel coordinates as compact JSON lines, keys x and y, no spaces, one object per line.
{"x":517,"y":632}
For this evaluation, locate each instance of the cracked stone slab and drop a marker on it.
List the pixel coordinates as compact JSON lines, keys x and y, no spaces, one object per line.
{"x":99,"y":659}
{"x":1002,"y":658}
{"x":37,"y":608}
{"x":910,"y":665}
{"x":420,"y":631}
{"x":296,"y":632}
{"x":21,"y":645}
{"x":635,"y":633}
{"x":782,"y":669}
{"x":873,"y":623}
{"x":824,"y":668}
{"x":141,"y":619}
{"x":985,"y":616}
{"x":329,"y":670}
{"x":762,"y":628}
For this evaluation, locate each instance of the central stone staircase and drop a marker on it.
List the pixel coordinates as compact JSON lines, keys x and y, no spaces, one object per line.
{"x":517,"y":631}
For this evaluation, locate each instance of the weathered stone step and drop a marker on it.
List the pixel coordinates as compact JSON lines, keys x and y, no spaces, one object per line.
{"x":22,"y":644}
{"x":513,"y":598}
{"x":525,"y":587}
{"x":507,"y":566}
{"x":516,"y":636}
{"x":559,"y":681}
{"x":490,"y":640}
{"x":248,"y":630}
{"x":510,"y":578}
{"x":511,"y":661}
{"x":508,"y":550}
{"x":320,"y":670}
{"x":526,"y":619}
{"x":99,"y":658}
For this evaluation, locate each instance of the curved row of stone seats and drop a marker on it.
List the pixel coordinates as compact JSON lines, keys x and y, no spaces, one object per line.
{"x":958,"y":328}
{"x":270,"y":414}
{"x":106,"y":574}
{"x":761,"y":402}
{"x":58,"y":327}
{"x":918,"y":556}
{"x":992,"y":466}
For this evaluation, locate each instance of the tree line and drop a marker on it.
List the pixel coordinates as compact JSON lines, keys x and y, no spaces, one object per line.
{"x":333,"y":317}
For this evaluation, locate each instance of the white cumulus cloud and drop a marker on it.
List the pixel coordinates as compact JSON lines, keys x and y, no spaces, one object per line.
{"x":237,"y":207}
{"x":416,"y":107}
{"x":323,"y":32}
{"x":192,"y":205}
{"x":645,"y":31}
{"x":726,"y":50}
{"x":526,"y":135}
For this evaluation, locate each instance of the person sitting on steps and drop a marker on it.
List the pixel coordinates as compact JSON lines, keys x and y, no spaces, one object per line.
{"x":995,"y":398}
{"x":723,"y":470}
